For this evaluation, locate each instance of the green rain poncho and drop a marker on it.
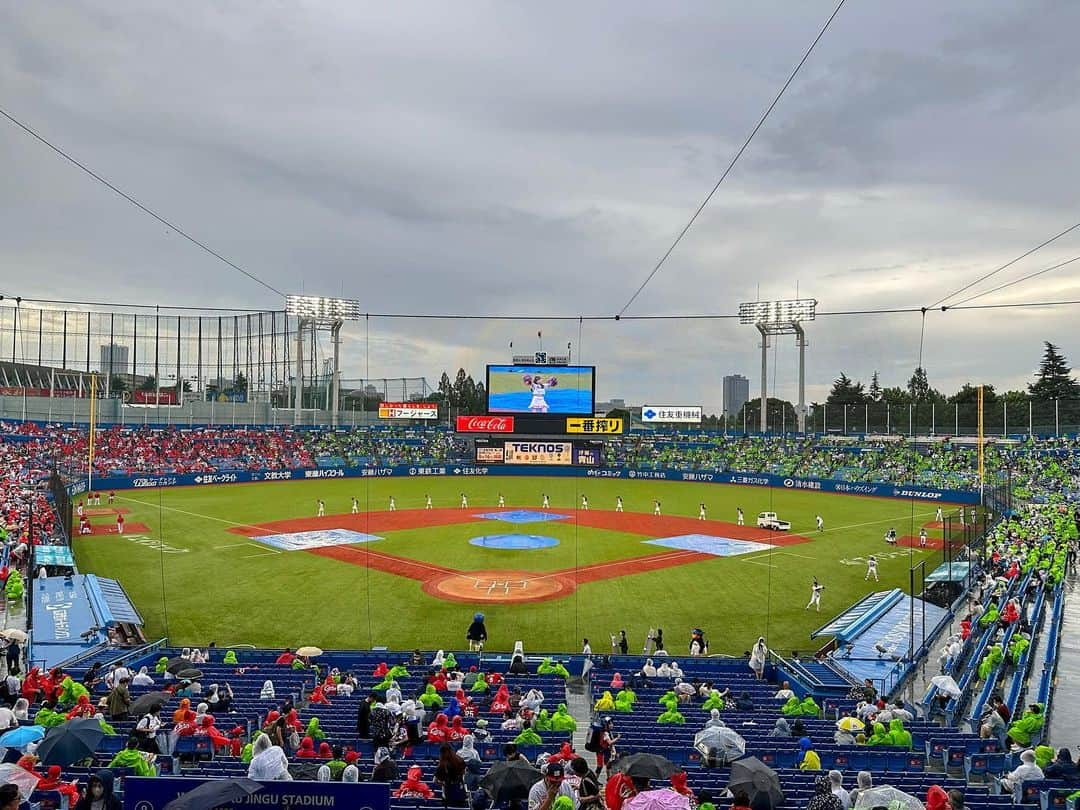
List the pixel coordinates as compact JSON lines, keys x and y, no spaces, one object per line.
{"x":109,"y":730}
{"x":714,"y":701}
{"x":247,"y":752}
{"x":528,"y":737}
{"x":563,"y":803}
{"x":1027,"y":726}
{"x":14,"y":588}
{"x":542,"y":722}
{"x":606,"y":703}
{"x":548,"y":668}
{"x":70,"y":692}
{"x":880,"y":736}
{"x":792,"y":708}
{"x":480,"y":685}
{"x":298,"y":663}
{"x":900,"y":736}
{"x":430,"y":698}
{"x":230,"y":657}
{"x":47,"y":718}
{"x":989,"y":617}
{"x":1017,"y":647}
{"x":809,"y":707}
{"x":395,"y":672}
{"x":1043,"y":755}
{"x":161,"y":665}
{"x":672,"y":715}
{"x":562,"y":720}
{"x":664,"y":698}
{"x":314,"y":731}
{"x":449,"y":662}
{"x":991,"y":661}
{"x":133,"y":759}
{"x":625,"y":700}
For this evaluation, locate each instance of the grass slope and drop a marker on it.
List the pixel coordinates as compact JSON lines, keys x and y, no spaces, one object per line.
{"x":195,"y":580}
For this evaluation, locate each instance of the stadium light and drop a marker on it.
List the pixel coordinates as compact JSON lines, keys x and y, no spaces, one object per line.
{"x":791,"y":311}
{"x":774,"y":318}
{"x":317,"y":312}
{"x":318,"y":308}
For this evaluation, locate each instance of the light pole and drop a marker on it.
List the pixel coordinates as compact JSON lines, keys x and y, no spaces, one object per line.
{"x":313,"y":313}
{"x":780,"y":318}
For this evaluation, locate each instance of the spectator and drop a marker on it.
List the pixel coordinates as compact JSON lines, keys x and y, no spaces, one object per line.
{"x":810,"y":761}
{"x":450,"y":775}
{"x":823,"y":798}
{"x":937,"y":798}
{"x":1026,"y":771}
{"x":268,"y":762}
{"x":543,"y":794}
{"x":588,"y":789}
{"x":119,"y":701}
{"x":956,"y":799}
{"x":385,"y":770}
{"x":863,"y":781}
{"x":99,"y":793}
{"x":1062,"y":767}
{"x":836,"y":779}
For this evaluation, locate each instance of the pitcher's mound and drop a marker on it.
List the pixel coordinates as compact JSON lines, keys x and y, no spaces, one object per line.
{"x":499,"y":586}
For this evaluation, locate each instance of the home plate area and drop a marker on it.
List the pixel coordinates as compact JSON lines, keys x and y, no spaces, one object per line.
{"x":708,"y":544}
{"x":303,"y":541}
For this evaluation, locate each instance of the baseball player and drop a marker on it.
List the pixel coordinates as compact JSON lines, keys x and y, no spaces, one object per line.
{"x":815,"y":595}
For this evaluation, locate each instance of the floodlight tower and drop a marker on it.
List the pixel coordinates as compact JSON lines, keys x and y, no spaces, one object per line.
{"x":780,"y":318}
{"x":313,"y":313}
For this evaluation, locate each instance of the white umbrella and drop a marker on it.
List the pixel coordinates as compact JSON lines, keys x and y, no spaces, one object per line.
{"x":721,"y":743}
{"x":946,"y":685}
{"x":889,"y":797}
{"x":309,"y":652}
{"x":14,"y":634}
{"x":25,"y":781}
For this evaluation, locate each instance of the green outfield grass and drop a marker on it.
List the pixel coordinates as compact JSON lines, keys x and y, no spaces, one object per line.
{"x":192,"y":578}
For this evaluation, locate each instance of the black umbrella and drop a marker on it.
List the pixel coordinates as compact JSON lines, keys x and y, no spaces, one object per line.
{"x":214,"y":794}
{"x":190,"y":674}
{"x":149,"y":702}
{"x":646,"y":766}
{"x":753,"y":776}
{"x":177,"y":664}
{"x":510,"y":781}
{"x":304,"y":771}
{"x":70,"y":742}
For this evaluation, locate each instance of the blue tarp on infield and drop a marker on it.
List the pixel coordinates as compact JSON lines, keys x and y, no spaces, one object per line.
{"x":708,"y":544}
{"x":514,"y":542}
{"x":522,"y":516}
{"x":302,"y":541}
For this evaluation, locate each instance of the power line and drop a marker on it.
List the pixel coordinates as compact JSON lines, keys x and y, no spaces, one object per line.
{"x":735,"y":159}
{"x":1018,"y":280}
{"x":1008,"y":264}
{"x":25,"y":128}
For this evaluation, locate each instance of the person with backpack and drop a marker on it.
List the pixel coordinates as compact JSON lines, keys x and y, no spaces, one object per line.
{"x":588,"y":788}
{"x":601,"y":742}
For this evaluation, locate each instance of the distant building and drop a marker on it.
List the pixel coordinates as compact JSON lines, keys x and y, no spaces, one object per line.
{"x":610,"y":405}
{"x":736,"y":393}
{"x":114,"y":359}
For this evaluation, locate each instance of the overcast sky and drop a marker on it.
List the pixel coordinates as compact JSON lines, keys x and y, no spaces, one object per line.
{"x":537,"y":159}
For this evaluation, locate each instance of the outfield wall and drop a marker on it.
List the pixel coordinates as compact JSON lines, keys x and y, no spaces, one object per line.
{"x":879,"y":490}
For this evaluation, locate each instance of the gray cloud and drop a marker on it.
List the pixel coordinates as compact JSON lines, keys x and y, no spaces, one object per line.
{"x":529,"y":160}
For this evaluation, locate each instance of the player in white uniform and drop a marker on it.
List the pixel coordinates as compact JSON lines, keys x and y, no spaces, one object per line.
{"x":871,"y":568}
{"x":922,"y":538}
{"x":427,"y":501}
{"x":393,"y":504}
{"x":939,"y":518}
{"x":584,"y":503}
{"x":618,"y":503}
{"x":961,"y":516}
{"x":464,"y":501}
{"x":355,"y":506}
{"x":502,"y":500}
{"x":820,"y":523}
{"x":79,"y":509}
{"x":815,"y":595}
{"x":739,"y":519}
{"x":656,"y":508}
{"x":547,"y":503}
{"x":539,"y":389}
{"x":701,"y":511}
{"x":321,"y":510}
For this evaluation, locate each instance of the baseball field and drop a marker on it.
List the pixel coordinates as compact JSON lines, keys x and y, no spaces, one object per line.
{"x":254,"y":563}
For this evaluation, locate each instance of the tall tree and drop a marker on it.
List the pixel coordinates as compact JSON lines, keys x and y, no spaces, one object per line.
{"x":918,"y":386}
{"x":459,"y":389}
{"x":1054,"y":378}
{"x":846,"y":392}
{"x":874,"y":392}
{"x":970,"y":394}
{"x":446,"y":389}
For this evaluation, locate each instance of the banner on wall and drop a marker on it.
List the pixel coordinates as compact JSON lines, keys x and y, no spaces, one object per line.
{"x":153,"y":793}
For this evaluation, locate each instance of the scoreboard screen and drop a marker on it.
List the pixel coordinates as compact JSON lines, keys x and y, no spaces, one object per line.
{"x":541,"y":389}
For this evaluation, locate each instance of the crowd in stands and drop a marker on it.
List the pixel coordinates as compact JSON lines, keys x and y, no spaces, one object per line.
{"x":1046,"y":465}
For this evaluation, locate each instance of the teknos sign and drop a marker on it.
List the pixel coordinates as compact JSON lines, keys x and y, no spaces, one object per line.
{"x":485,"y":424}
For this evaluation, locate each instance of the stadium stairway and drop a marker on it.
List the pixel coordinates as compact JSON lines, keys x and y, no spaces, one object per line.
{"x":1065,"y":714}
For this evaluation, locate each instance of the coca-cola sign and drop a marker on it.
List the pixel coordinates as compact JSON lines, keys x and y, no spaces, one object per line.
{"x":485,"y":424}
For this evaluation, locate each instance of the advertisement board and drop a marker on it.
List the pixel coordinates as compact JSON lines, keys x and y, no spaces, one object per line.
{"x":671,"y":413}
{"x":153,"y":793}
{"x":485,"y":424}
{"x":603,"y":425}
{"x":408,"y":410}
{"x":489,"y":453}
{"x":588,"y":454}
{"x":557,"y":453}
{"x":541,"y":389}
{"x":154,"y":397}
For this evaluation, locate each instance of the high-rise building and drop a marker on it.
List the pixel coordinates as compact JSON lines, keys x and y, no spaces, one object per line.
{"x":114,"y":359}
{"x":736,"y":393}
